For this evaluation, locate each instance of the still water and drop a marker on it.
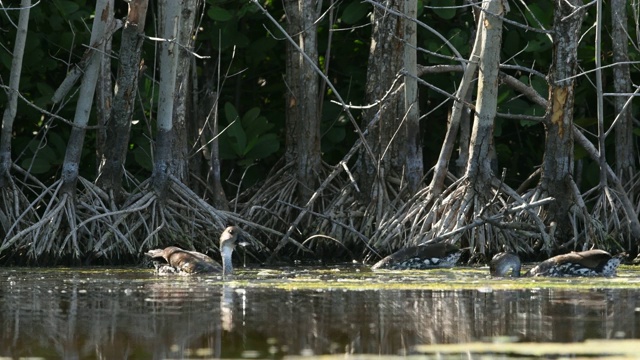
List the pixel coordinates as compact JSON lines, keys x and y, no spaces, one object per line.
{"x":100,"y":313}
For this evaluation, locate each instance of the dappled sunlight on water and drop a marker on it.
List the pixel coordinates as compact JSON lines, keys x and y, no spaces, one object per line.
{"x":120,"y":313}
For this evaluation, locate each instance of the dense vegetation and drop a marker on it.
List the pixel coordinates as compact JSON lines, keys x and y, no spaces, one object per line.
{"x":240,"y":75}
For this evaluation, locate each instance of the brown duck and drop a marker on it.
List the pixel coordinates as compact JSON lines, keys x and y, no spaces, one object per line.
{"x":185,"y":262}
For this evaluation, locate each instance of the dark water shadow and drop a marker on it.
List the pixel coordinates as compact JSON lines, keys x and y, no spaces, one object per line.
{"x":118,"y":314}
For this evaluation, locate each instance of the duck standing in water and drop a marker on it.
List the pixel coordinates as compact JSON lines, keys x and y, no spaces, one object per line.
{"x":419,"y":257}
{"x":185,"y":262}
{"x":584,"y":263}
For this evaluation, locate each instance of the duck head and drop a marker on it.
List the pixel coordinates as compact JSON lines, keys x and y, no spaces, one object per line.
{"x":504,"y":262}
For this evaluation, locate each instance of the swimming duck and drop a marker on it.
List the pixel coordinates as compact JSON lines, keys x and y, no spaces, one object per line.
{"x":584,"y":263}
{"x":185,"y":262}
{"x":427,"y":256}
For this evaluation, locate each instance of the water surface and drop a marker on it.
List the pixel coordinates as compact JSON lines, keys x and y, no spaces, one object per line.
{"x":131,"y":313}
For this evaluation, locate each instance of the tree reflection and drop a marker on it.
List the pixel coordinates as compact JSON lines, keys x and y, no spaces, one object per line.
{"x":70,"y":314}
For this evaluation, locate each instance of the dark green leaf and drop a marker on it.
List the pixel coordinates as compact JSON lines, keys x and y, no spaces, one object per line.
{"x":67,"y":7}
{"x":250,"y":116}
{"x":511,"y":41}
{"x":219,"y":14}
{"x":235,"y":132}
{"x":226,"y":150}
{"x":258,"y":127}
{"x":231,"y":113}
{"x":44,"y":89}
{"x":336,"y":134}
{"x":354,"y":12}
{"x":142,"y":158}
{"x":36,"y":165}
{"x":266,"y":145}
{"x":445,"y":9}
{"x":58,"y":145}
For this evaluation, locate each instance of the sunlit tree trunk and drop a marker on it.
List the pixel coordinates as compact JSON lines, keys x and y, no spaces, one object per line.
{"x":303,"y":114}
{"x":11,"y":108}
{"x":459,"y":122}
{"x":479,"y":171}
{"x":170,"y":11}
{"x":558,"y":162}
{"x":71,"y":165}
{"x":625,"y":153}
{"x":117,"y":129}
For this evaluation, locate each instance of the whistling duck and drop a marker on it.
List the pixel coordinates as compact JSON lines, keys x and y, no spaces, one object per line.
{"x":584,"y":263}
{"x":185,"y":262}
{"x":427,"y":256}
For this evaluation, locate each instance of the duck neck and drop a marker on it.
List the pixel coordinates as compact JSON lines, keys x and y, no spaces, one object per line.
{"x":227,"y":266}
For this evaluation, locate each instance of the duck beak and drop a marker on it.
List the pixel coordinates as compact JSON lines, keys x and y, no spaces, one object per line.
{"x":242,"y":241}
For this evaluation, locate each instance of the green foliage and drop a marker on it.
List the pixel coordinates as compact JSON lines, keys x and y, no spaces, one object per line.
{"x":42,"y":157}
{"x":355,"y":12}
{"x":445,"y":9}
{"x":219,"y":14}
{"x":337,"y":135}
{"x":141,"y":152}
{"x":67,"y":7}
{"x":247,"y":139}
{"x":228,"y":27}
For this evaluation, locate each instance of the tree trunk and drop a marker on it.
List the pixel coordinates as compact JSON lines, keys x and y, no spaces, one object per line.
{"x":119,"y":125}
{"x":458,"y":120}
{"x":10,"y":111}
{"x":557,"y":164}
{"x":602,"y":161}
{"x":205,"y":128}
{"x":465,"y":202}
{"x":479,"y":173}
{"x":303,"y":111}
{"x":104,"y":96}
{"x":414,"y":162}
{"x":182,"y":111}
{"x":10,"y":210}
{"x":479,"y":170}
{"x":214,"y":177}
{"x":388,"y":137}
{"x":170,"y":11}
{"x":625,"y":152}
{"x":71,"y":165}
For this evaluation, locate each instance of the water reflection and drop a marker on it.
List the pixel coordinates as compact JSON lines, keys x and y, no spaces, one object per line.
{"x":76,"y":314}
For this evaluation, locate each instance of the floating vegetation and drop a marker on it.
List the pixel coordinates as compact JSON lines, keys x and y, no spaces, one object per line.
{"x":591,"y":348}
{"x":459,"y":278}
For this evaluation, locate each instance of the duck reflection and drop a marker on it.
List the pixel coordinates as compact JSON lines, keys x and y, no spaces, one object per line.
{"x":191,"y":316}
{"x":227,"y":302}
